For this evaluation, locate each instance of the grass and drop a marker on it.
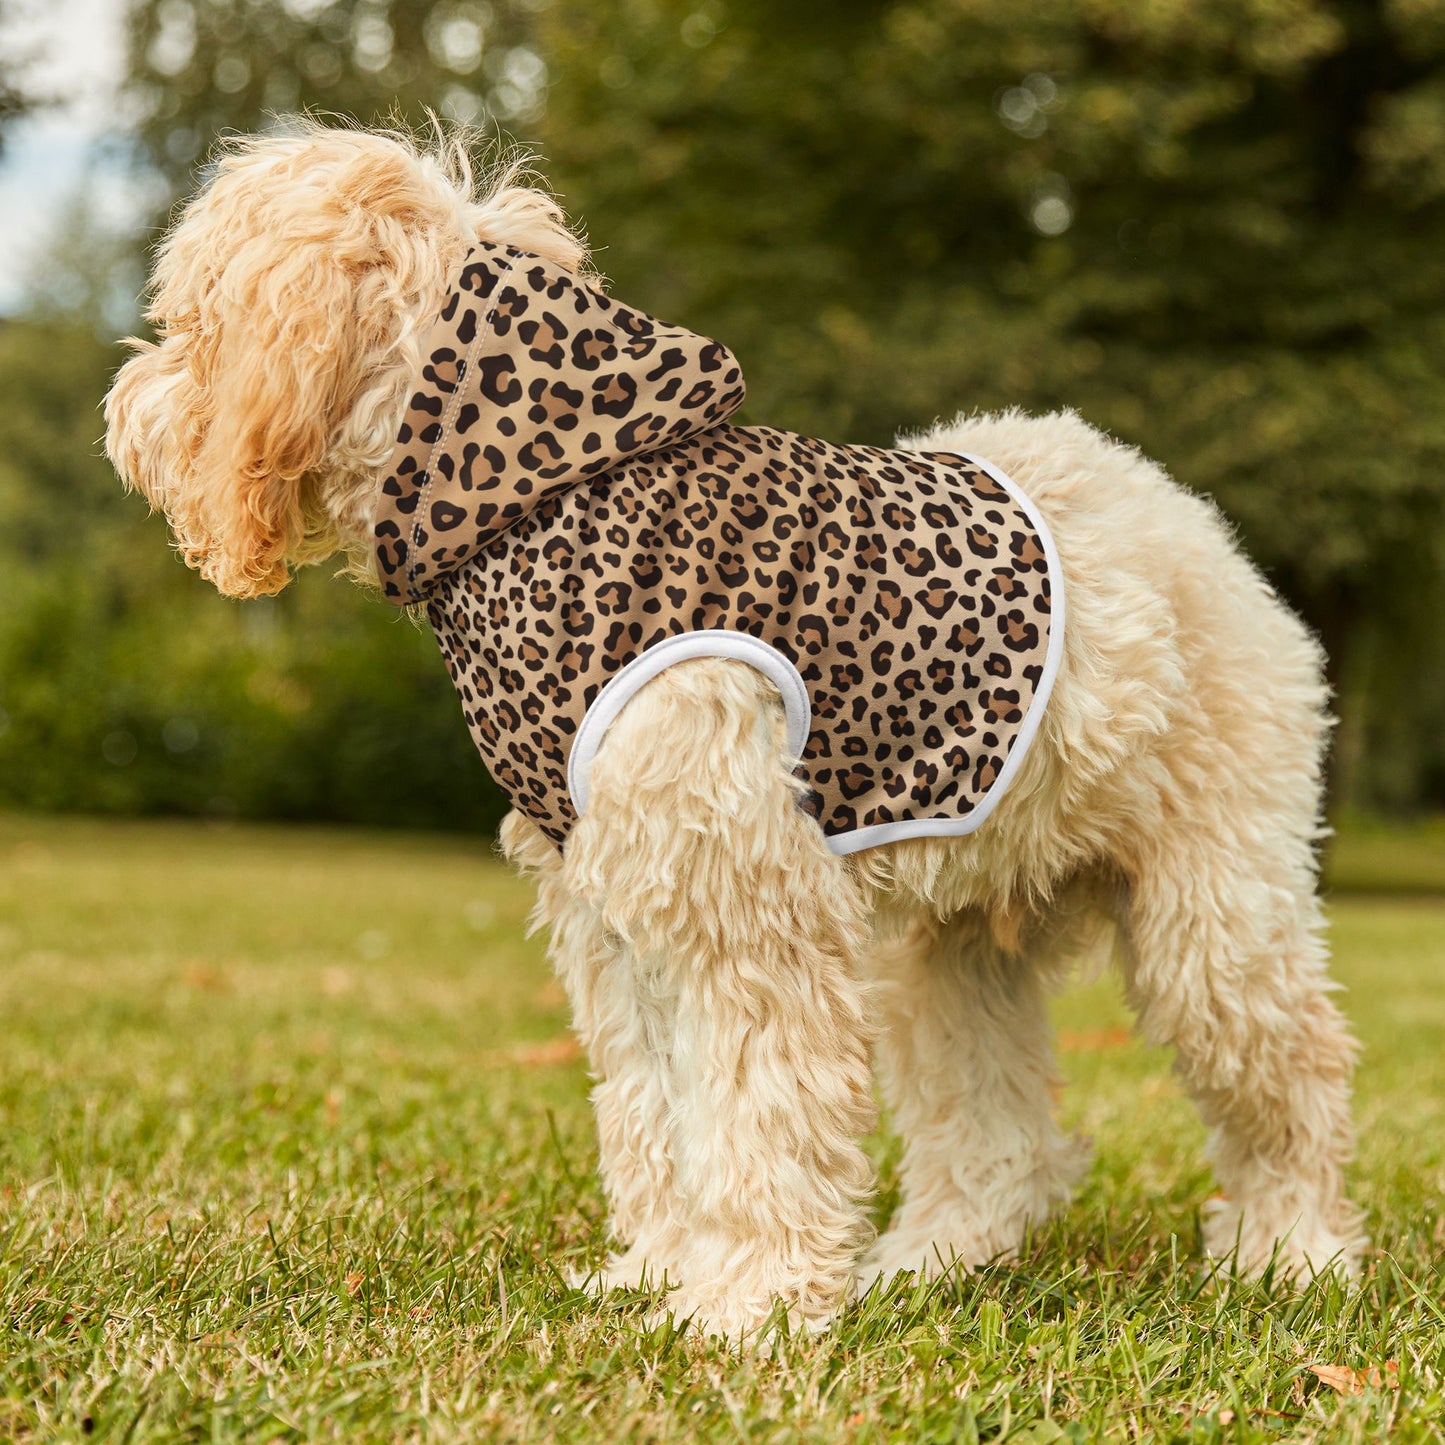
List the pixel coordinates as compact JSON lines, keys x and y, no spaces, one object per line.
{"x":292,"y":1147}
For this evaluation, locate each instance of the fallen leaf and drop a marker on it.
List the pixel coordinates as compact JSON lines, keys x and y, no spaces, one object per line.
{"x":1096,"y":1041}
{"x":551,"y":995}
{"x":202,"y":975}
{"x":354,"y":1283}
{"x":1347,"y":1381}
{"x":554,"y":1051}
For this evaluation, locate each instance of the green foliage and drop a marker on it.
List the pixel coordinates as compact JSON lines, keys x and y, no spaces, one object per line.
{"x":1373,"y":856}
{"x":128,"y":686}
{"x":281,"y":1158}
{"x":203,"y":67}
{"x":1216,"y":229}
{"x":318,"y":705}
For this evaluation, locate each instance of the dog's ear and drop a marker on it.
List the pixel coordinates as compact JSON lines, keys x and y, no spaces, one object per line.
{"x":275,"y":298}
{"x":286,"y":300}
{"x":220,"y":423}
{"x":269,"y":355}
{"x":144,"y":412}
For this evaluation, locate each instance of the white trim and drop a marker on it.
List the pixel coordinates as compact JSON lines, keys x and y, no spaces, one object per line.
{"x":723,"y":642}
{"x":718,"y":642}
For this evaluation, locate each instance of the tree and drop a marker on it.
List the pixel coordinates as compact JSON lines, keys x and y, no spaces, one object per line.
{"x":199,"y":68}
{"x":1217,"y":230}
{"x":15,"y":98}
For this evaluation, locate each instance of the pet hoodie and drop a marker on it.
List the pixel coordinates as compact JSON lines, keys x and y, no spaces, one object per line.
{"x":570,"y":501}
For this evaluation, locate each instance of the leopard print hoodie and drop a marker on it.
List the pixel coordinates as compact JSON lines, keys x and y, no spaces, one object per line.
{"x":571,"y":503}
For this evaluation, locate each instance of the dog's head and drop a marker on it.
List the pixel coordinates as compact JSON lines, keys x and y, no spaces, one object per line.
{"x":289,"y":301}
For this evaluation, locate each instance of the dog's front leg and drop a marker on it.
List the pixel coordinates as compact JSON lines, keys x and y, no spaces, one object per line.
{"x":622,"y":1015}
{"x":736,"y":932}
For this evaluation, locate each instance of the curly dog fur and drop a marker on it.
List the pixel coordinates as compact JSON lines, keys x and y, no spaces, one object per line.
{"x":731,"y":978}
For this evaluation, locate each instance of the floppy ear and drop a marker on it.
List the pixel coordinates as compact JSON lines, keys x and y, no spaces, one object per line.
{"x":268,"y":355}
{"x":287,"y":299}
{"x":220,"y":423}
{"x":144,"y":411}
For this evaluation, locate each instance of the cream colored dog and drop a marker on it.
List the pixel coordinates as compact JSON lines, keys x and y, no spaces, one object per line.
{"x":730,"y":976}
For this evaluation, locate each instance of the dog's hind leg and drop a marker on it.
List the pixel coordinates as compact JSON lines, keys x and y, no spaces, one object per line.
{"x":1225,"y":961}
{"x":739,"y":932}
{"x":1224,"y":949}
{"x":966,"y":1059}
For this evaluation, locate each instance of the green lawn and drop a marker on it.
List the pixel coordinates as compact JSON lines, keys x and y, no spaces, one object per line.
{"x":292,"y":1147}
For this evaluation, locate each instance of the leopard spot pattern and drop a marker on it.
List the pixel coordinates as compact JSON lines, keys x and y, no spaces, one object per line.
{"x":567,"y":492}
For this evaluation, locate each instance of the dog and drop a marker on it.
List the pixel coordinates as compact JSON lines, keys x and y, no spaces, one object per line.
{"x":738,"y":939}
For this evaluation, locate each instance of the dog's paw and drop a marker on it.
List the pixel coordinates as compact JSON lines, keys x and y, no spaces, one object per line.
{"x":632,"y":1270}
{"x":753,"y":1324}
{"x":1297,"y":1248}
{"x":897,"y":1255}
{"x":965,"y":1229}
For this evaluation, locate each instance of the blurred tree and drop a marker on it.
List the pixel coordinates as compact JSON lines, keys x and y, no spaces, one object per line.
{"x":127,"y":685}
{"x":15,"y":98}
{"x":1216,"y":227}
{"x":202,"y":67}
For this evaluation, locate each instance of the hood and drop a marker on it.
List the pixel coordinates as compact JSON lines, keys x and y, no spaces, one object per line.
{"x":531,"y":382}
